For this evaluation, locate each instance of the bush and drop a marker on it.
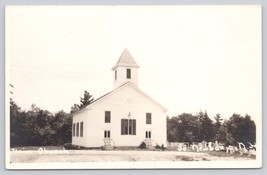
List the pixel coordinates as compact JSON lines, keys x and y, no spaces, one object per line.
{"x":142,"y":145}
{"x":69,"y":146}
{"x":160,"y":147}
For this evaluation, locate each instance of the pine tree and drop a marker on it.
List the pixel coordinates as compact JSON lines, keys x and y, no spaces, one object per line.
{"x":86,"y":100}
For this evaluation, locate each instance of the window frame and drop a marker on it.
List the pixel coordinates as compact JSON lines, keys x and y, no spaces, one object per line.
{"x":81,"y":129}
{"x":124,"y":126}
{"x":148,"y":135}
{"x":107,"y":134}
{"x":128,"y":73}
{"x":128,"y":126}
{"x":107,"y":116}
{"x":73,"y":130}
{"x":77,"y":129}
{"x":149,"y":118}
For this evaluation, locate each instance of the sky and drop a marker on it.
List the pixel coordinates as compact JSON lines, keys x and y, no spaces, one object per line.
{"x":192,"y":58}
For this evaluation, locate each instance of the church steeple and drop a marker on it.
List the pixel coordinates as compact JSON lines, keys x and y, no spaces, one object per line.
{"x":125,"y":70}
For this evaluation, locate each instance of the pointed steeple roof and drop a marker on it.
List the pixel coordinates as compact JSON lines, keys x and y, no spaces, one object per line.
{"x":126,"y":59}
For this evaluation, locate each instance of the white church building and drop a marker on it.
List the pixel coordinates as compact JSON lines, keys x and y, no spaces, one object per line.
{"x":125,"y":116}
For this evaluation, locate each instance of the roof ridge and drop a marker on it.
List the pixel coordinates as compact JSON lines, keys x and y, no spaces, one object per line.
{"x":101,"y":97}
{"x":115,"y":90}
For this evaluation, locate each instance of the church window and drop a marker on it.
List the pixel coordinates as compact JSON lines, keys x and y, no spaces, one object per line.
{"x":73,"y":130}
{"x":77,"y":129}
{"x":107,"y":116}
{"x":124,"y":127}
{"x":106,"y":134}
{"x":81,"y":130}
{"x":148,"y":118}
{"x":128,"y":127}
{"x":148,"y":134}
{"x":128,"y":73}
{"x":115,"y":74}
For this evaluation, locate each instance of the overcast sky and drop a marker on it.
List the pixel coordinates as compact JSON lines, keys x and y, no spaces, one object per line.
{"x":191,"y":58}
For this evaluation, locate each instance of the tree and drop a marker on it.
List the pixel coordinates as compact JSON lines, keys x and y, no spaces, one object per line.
{"x":85,"y":100}
{"x":224,"y":136}
{"x":250,"y":133}
{"x":44,"y":129}
{"x":218,"y":121}
{"x":172,"y":129}
{"x":74,"y":108}
{"x":14,"y":117}
{"x":61,"y":124}
{"x":189,"y":128}
{"x":182,"y":128}
{"x":206,"y":129}
{"x":38,"y":127}
{"x":218,"y":127}
{"x":242,"y":129}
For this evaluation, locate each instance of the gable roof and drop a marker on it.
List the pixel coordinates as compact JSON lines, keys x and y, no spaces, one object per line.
{"x":112,"y":92}
{"x":126,"y":59}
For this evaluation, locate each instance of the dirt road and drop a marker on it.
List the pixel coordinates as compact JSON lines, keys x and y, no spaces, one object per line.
{"x":118,"y":156}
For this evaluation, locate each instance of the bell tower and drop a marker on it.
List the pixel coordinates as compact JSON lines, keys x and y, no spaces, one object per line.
{"x":125,"y":70}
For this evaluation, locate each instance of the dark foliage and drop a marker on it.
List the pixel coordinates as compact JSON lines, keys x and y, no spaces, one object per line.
{"x":197,"y":128}
{"x":85,"y":100}
{"x":242,"y":129}
{"x":142,"y":145}
{"x":184,"y":128}
{"x":38,"y":127}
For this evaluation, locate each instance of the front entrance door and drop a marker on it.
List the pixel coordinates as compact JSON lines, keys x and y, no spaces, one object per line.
{"x":108,"y":142}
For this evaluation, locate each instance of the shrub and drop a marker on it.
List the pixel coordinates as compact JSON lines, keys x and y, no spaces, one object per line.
{"x":142,"y":145}
{"x":69,"y":146}
{"x":158,"y":147}
{"x":161,"y":147}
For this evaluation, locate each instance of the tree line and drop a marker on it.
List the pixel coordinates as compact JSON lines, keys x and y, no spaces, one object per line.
{"x":39,"y":127}
{"x":200,"y":127}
